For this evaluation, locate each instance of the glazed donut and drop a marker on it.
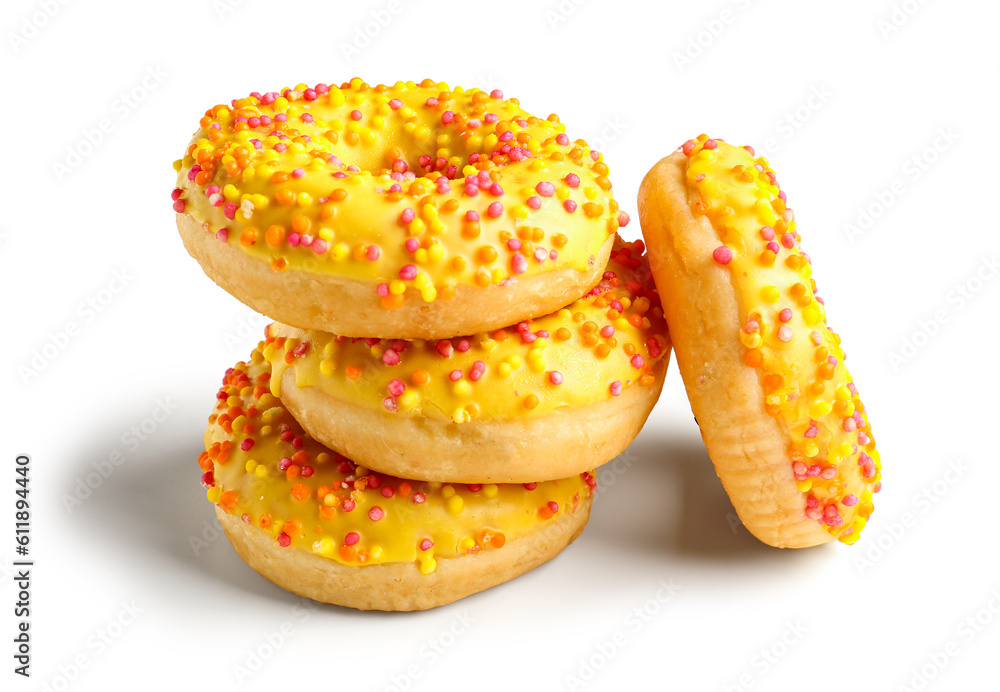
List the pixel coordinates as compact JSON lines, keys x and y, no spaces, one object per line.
{"x":411,"y":211}
{"x":777,"y":408}
{"x":326,"y":528}
{"x":541,"y":400}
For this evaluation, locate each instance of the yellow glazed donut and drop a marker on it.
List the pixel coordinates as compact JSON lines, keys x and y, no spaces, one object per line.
{"x":411,"y":211}
{"x":325,"y":528}
{"x":778,"y":409}
{"x":541,"y":400}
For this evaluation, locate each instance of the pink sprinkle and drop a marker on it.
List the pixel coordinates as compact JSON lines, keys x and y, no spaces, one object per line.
{"x":376,"y":513}
{"x":751,"y":326}
{"x":534,"y":202}
{"x":418,"y":498}
{"x":637,"y":361}
{"x":573,"y":180}
{"x":408,"y":272}
{"x":407,"y":215}
{"x":545,"y":189}
{"x":850,"y":500}
{"x":555,"y":377}
{"x":351,"y":538}
{"x":179,"y":206}
{"x":496,"y":93}
{"x":395,"y":104}
{"x":431,"y":102}
{"x":348,"y":505}
{"x":530,"y":486}
{"x":785,"y":333}
{"x":455,"y":375}
{"x":828,"y":472}
{"x":607,"y":331}
{"x":373,"y":253}
{"x":774,"y":247}
{"x":615,"y":388}
{"x":355,"y":115}
{"x":396,"y":387}
{"x":444,"y":348}
{"x":230,"y":210}
{"x":222,"y":235}
{"x":788,"y":240}
{"x":569,"y":205}
{"x":463,"y":345}
{"x":811,"y":431}
{"x":390,"y":357}
{"x":518,"y":264}
{"x":284,"y":540}
{"x":382,"y":290}
{"x":767,"y":233}
{"x":319,"y":246}
{"x":447,"y":117}
{"x":298,"y":173}
{"x":623,"y":219}
{"x":412,"y":244}
{"x":513,"y":244}
{"x":495,"y":210}
{"x":496,"y":190}
{"x":688,"y":147}
{"x":305,"y":240}
{"x":246,"y":445}
{"x":541,"y":255}
{"x":477,"y":371}
{"x":785,"y":315}
{"x":426,"y":544}
{"x":849,"y":425}
{"x":722,"y":255}
{"x":293,"y":239}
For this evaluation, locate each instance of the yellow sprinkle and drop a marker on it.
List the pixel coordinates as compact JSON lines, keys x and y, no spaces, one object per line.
{"x":490,"y":490}
{"x":397,"y":287}
{"x":818,"y":409}
{"x":427,"y":564}
{"x":467,"y":543}
{"x":843,"y":393}
{"x":461,"y":387}
{"x":812,"y":314}
{"x":214,"y":493}
{"x":323,"y":546}
{"x":250,"y":465}
{"x":456,"y":504}
{"x":770,"y":294}
{"x":261,"y":471}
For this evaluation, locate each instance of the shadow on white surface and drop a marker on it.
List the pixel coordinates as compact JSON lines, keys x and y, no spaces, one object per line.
{"x":670,"y":504}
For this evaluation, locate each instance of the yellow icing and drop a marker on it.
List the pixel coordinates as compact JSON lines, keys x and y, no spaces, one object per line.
{"x":566,"y":360}
{"x":800,"y":362}
{"x":254,"y":187}
{"x":303,"y":505}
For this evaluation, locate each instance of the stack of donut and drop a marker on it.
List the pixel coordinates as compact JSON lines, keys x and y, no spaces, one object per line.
{"x":460,"y":340}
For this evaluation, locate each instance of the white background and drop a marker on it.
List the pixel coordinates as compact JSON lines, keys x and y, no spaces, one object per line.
{"x":847,"y":99}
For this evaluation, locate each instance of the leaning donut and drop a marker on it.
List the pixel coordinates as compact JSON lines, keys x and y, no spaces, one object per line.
{"x":544,"y":399}
{"x":411,"y":211}
{"x":766,"y":378}
{"x":328,"y":529}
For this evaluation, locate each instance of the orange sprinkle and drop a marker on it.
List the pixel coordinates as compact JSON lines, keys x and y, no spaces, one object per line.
{"x":421,"y":376}
{"x":292,"y":527}
{"x":352,"y":372}
{"x":274,"y":235}
{"x":393,"y":301}
{"x":300,"y":492}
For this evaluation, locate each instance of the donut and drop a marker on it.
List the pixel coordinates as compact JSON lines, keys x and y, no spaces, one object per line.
{"x":545,"y":399}
{"x":324,"y":527}
{"x":410,"y":211}
{"x":778,"y":410}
